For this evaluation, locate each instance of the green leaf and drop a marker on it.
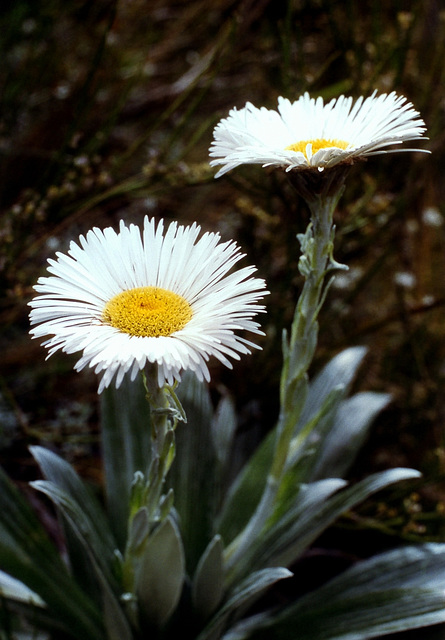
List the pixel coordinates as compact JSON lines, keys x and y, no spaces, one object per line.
{"x":247,"y":592}
{"x":305,"y":447}
{"x":125,"y":432}
{"x":283,"y":531}
{"x":324,"y":399}
{"x":287,"y":540}
{"x":116,"y":623}
{"x":27,"y":554}
{"x":95,"y":524}
{"x":194,"y":476}
{"x":348,"y":433}
{"x":223,"y":430}
{"x":340,"y":371}
{"x":208,"y":582}
{"x":308,"y":499}
{"x":139,"y":529}
{"x":245,"y":493}
{"x":327,"y":390}
{"x":395,"y":591}
{"x":61,"y":474}
{"x":16,"y":590}
{"x":161,"y":573}
{"x":98,"y":555}
{"x":79,"y":522}
{"x":316,"y":507}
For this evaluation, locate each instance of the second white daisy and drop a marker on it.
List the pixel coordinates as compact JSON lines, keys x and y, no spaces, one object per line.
{"x":127,"y":299}
{"x":309,"y":134}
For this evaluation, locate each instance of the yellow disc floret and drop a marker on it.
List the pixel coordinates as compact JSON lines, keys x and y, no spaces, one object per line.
{"x":147,"y":311}
{"x":319,"y":143}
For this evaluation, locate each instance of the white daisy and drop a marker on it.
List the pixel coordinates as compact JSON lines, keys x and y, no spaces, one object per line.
{"x":129,"y":298}
{"x":309,"y":134}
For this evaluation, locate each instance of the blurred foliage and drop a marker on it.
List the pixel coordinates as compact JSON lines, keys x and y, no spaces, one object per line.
{"x":107,"y":113}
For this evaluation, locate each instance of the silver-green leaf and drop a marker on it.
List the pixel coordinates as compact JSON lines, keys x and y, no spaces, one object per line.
{"x":249,"y":590}
{"x":207,"y":586}
{"x":392,"y":592}
{"x":161,"y":573}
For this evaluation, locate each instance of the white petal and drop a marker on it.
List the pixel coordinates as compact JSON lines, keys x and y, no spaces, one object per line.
{"x":262,"y":136}
{"x":70,"y":302}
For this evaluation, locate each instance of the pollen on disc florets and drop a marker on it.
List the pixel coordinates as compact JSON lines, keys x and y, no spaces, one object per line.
{"x":317,"y":144}
{"x":148,"y":312}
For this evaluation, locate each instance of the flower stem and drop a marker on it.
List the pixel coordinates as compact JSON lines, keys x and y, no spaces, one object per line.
{"x":315,"y":265}
{"x":165,"y":411}
{"x":148,"y":505}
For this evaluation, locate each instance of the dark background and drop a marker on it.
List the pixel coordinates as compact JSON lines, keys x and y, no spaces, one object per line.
{"x":107,"y":111}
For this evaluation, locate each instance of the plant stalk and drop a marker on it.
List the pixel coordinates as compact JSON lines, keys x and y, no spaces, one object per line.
{"x":316,"y":265}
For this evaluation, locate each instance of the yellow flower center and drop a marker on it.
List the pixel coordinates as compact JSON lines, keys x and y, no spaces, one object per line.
{"x":320,"y":143}
{"x":147,"y":311}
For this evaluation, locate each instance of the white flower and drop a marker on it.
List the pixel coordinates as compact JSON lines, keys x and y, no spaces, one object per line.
{"x":310,"y":134}
{"x":130,"y":298}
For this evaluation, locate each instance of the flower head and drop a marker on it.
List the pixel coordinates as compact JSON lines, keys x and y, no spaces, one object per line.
{"x":308,"y":134}
{"x":130,"y":298}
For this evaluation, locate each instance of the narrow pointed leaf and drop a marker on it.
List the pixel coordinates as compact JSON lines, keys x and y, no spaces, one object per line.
{"x":392,"y":592}
{"x":208,"y":582}
{"x":16,"y":590}
{"x":115,"y":621}
{"x":284,"y":544}
{"x":341,"y":370}
{"x":79,"y":522}
{"x":252,"y":588}
{"x":305,"y":447}
{"x":27,"y":554}
{"x":247,"y":489}
{"x":100,"y":559}
{"x":282,"y":530}
{"x":348,"y":433}
{"x":316,"y":507}
{"x":62,"y":475}
{"x":245,"y":493}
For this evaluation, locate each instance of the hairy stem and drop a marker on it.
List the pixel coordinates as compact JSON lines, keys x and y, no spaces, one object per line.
{"x":316,"y":264}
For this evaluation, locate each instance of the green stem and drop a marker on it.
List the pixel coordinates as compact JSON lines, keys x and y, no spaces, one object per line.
{"x":148,"y":505}
{"x":316,"y":263}
{"x":165,"y":411}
